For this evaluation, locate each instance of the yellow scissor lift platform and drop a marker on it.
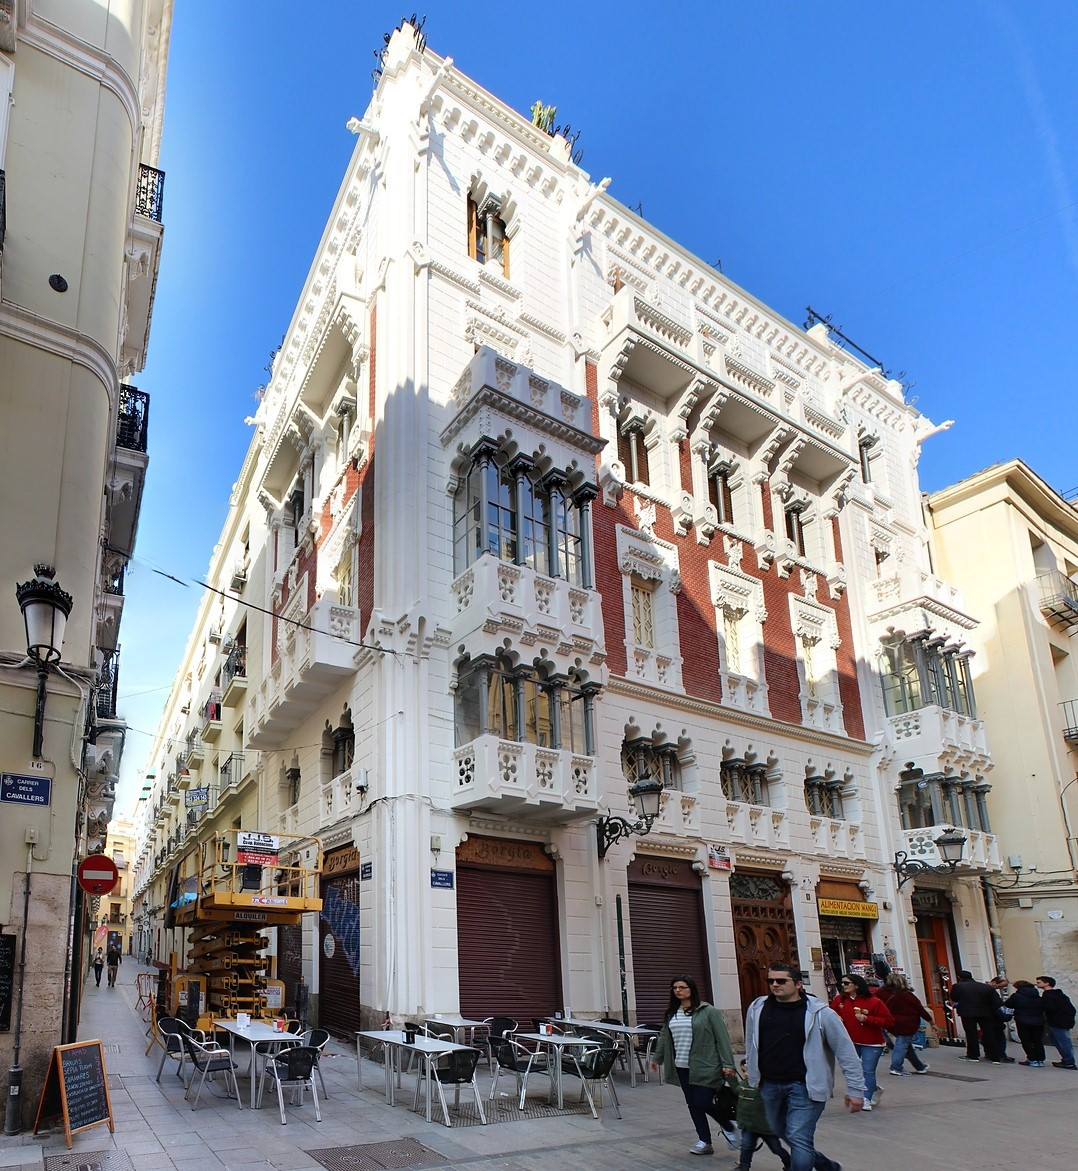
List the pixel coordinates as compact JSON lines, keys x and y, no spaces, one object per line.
{"x":227,"y":890}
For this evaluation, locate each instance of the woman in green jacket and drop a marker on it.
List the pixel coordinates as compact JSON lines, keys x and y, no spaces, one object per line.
{"x":695,"y":1046}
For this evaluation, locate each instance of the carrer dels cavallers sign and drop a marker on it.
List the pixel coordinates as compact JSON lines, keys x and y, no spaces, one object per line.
{"x":847,"y":909}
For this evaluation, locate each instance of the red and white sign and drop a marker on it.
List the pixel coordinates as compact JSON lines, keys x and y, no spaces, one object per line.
{"x":257,"y":848}
{"x":97,"y":875}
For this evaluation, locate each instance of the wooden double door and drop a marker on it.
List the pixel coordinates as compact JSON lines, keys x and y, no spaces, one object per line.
{"x":764,"y":930}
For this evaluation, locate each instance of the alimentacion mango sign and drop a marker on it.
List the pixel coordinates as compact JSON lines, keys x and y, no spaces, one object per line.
{"x":847,"y":909}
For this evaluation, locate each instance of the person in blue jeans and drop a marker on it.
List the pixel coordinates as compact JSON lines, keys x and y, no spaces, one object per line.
{"x":1059,"y":1016}
{"x":865,"y":1017}
{"x":792,"y":1041}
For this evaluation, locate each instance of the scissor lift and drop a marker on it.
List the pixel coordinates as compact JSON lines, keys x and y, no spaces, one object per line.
{"x":228,"y":890}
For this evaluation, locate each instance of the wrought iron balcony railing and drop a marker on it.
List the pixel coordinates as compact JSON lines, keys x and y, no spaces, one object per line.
{"x":109,"y":682}
{"x":235,"y":664}
{"x":150,"y":193}
{"x":1059,"y":598}
{"x":133,"y":426}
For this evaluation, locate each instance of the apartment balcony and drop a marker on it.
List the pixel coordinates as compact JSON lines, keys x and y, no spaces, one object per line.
{"x":1069,"y":711}
{"x":210,"y":728}
{"x":108,"y":676}
{"x":195,"y":752}
{"x":1058,"y":599}
{"x":310,"y":664}
{"x":679,"y":814}
{"x":128,"y":475}
{"x":940,"y":736}
{"x":661,"y":352}
{"x":143,"y":251}
{"x":836,"y":838}
{"x":525,"y":781}
{"x":493,"y":596}
{"x":914,"y":600}
{"x":755,"y":825}
{"x":980,"y":856}
{"x":234,"y":675}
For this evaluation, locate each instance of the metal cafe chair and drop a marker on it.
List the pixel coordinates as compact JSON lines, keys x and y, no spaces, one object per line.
{"x":207,"y":1059}
{"x":293,"y":1068}
{"x":454,"y":1069}
{"x":593,"y":1066}
{"x":514,"y":1057}
{"x":497,"y":1027}
{"x":317,"y":1039}
{"x":171,"y":1032}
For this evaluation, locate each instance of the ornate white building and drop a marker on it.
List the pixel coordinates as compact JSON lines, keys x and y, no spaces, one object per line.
{"x":539,"y":507}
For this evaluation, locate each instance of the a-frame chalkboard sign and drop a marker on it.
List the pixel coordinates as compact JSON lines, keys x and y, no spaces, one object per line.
{"x":76,"y":1089}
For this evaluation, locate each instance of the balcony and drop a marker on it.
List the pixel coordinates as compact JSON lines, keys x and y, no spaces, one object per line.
{"x":937,"y":734}
{"x":1058,"y":599}
{"x":756,"y":825}
{"x":525,"y":781}
{"x":211,"y":721}
{"x":128,"y":475}
{"x":108,"y":676}
{"x":659,"y":352}
{"x":143,"y":251}
{"x":914,"y":601}
{"x":548,"y":609}
{"x":195,"y":753}
{"x":312,"y":661}
{"x":234,"y":675}
{"x":1069,"y":710}
{"x":837,"y":839}
{"x":981,"y":853}
{"x":231,"y":772}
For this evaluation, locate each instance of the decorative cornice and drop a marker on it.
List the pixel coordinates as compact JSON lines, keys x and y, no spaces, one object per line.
{"x":766,"y":725}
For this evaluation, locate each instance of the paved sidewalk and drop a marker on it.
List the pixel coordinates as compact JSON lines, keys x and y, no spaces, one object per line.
{"x":956,"y":1118}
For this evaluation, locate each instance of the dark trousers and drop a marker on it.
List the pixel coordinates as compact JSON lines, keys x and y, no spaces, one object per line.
{"x":992,"y":1034}
{"x":1032,"y":1038}
{"x":701,"y":1103}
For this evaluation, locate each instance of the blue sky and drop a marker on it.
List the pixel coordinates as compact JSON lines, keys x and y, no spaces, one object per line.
{"x":909,"y":168}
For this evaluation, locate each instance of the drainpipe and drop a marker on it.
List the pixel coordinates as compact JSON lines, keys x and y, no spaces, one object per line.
{"x":993,"y":925}
{"x":13,"y":1113}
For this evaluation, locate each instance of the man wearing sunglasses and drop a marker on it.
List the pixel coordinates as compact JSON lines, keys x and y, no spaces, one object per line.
{"x":792,"y":1040}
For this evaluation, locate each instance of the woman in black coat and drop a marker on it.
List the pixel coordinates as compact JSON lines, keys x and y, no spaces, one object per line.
{"x":1029,"y":1021}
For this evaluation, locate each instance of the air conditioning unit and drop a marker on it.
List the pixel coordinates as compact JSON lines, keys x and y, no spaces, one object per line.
{"x":215,"y":634}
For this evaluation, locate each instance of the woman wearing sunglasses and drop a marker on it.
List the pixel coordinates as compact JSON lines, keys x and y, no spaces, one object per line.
{"x":865,"y":1017}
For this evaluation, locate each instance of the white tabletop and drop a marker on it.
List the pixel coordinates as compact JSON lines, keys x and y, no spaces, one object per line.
{"x":553,"y":1038}
{"x":454,"y":1021}
{"x":421,"y":1044}
{"x":255,"y":1032}
{"x":604,"y":1027}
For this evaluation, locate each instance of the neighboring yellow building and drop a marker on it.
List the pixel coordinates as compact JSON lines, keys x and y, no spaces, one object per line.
{"x":115,"y":923}
{"x":1010,"y":542}
{"x":81,"y":102}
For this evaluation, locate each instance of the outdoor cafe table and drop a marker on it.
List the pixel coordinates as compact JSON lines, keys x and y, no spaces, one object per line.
{"x":459,"y":1024}
{"x":429,"y":1048}
{"x":625,"y":1034}
{"x":256,"y":1033}
{"x":557,"y":1043}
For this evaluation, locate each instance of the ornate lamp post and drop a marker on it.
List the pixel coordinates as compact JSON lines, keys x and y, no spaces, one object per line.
{"x":646,"y":794}
{"x":45,"y":609}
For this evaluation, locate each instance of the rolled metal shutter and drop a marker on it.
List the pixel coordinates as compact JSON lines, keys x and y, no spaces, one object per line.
{"x":508,"y":943}
{"x":338,"y":971}
{"x":667,"y":926}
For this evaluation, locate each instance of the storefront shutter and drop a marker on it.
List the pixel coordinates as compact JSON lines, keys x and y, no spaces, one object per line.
{"x":667,"y":940}
{"x":338,"y":971}
{"x":507,"y":943}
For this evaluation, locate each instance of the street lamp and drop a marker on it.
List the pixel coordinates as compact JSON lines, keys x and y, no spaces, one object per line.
{"x":951,"y":845}
{"x":646,"y":794}
{"x":45,"y":609}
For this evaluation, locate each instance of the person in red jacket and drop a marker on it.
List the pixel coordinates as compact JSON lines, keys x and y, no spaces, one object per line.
{"x":865,"y":1017}
{"x":908,"y":1012}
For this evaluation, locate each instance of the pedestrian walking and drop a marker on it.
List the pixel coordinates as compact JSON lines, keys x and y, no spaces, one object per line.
{"x":99,"y":965}
{"x":1059,"y":1018}
{"x":977,"y":1005}
{"x":694,"y":1048}
{"x":113,"y":960}
{"x":1028,"y":1010}
{"x":865,"y":1017}
{"x":792,"y":1041}
{"x":908,"y":1012}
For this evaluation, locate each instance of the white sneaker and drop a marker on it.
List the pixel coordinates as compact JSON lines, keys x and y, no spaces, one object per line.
{"x":702,"y":1148}
{"x":732,"y":1137}
{"x":924,"y":1068}
{"x":866,"y":1105}
{"x":876,"y":1097}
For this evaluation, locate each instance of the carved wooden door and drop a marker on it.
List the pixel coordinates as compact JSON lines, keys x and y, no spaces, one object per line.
{"x":763,"y":930}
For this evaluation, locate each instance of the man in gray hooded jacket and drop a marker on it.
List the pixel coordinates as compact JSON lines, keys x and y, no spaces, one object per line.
{"x":791,"y":1042}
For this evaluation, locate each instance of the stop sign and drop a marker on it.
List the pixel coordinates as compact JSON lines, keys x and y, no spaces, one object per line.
{"x":97,"y":875}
